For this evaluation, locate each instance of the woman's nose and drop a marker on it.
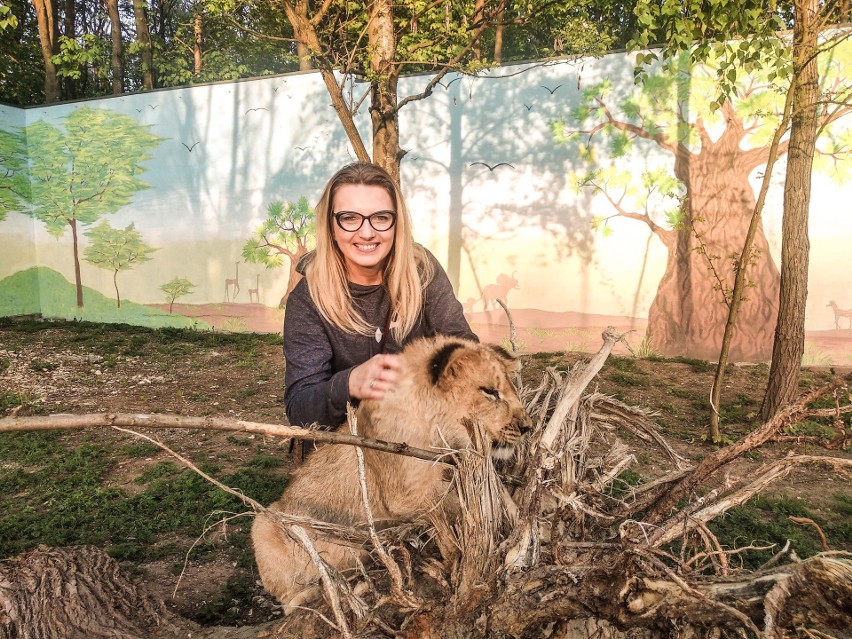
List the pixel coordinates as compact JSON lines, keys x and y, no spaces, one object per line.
{"x":366,"y":231}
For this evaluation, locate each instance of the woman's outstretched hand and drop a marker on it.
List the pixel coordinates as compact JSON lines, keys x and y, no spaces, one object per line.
{"x":375,"y":377}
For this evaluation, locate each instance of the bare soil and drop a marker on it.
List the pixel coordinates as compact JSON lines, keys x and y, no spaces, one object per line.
{"x":48,"y":368}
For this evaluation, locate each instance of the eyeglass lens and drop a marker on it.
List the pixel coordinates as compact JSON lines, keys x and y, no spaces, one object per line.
{"x":352,"y":221}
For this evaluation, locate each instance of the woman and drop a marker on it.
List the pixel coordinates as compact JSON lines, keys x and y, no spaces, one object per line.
{"x":368,"y":290}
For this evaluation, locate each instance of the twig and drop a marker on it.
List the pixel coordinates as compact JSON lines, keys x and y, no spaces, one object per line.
{"x":198,"y":541}
{"x":740,"y":616}
{"x":327,"y":582}
{"x":776,"y":557}
{"x":390,"y":565}
{"x":686,"y":486}
{"x":513,"y":335}
{"x":808,"y":520}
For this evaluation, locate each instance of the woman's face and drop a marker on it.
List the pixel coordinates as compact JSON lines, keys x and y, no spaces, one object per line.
{"x":366,"y":250}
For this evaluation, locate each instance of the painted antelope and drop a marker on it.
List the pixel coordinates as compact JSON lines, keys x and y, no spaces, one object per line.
{"x":839,"y":313}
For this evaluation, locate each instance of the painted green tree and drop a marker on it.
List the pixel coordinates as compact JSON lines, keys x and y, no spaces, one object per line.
{"x":701,"y":218}
{"x":116,"y":250}
{"x":288,"y":231}
{"x":14,"y":181}
{"x":84,"y":170}
{"x":175,"y":288}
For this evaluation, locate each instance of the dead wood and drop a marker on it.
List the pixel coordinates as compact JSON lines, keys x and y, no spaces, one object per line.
{"x":685,"y":487}
{"x":71,"y":593}
{"x":563,"y":547}
{"x":161,"y":420}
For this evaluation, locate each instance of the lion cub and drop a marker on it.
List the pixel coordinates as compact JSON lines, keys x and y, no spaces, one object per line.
{"x":445,"y":381}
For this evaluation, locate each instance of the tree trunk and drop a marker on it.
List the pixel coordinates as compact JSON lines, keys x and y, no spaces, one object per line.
{"x":143,"y":37}
{"x":78,"y":593}
{"x":498,"y":37}
{"x":294,"y":275}
{"x":115,"y":285}
{"x":789,"y":342}
{"x":382,"y":45}
{"x":304,"y":56}
{"x":69,"y":87}
{"x":46,"y":14}
{"x":478,"y":14}
{"x":688,"y":314}
{"x":196,"y":46}
{"x":117,"y":56}
{"x":78,"y":282}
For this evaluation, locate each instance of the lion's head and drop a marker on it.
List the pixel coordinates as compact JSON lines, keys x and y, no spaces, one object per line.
{"x":475,"y":379}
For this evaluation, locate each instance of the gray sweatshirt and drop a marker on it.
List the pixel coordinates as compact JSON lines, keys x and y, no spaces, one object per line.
{"x":319,"y":356}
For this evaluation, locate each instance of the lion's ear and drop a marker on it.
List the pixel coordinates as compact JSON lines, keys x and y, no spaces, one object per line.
{"x":446,"y":361}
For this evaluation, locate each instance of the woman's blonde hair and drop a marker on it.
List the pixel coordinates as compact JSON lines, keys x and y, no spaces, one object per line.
{"x":407,"y":268}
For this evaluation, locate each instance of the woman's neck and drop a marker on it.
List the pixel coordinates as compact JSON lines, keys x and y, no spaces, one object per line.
{"x":365,"y":277}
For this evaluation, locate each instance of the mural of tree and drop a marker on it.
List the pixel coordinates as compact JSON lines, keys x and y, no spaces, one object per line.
{"x":702,"y":219}
{"x":175,"y":288}
{"x":287,"y":231}
{"x":116,"y":250}
{"x":14,"y":183}
{"x":85,"y":170}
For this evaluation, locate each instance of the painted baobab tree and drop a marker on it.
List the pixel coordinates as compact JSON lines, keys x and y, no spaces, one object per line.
{"x":700,"y":208}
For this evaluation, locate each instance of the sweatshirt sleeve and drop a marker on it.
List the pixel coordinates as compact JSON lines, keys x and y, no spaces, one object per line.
{"x":444,"y":314}
{"x":314,"y":392}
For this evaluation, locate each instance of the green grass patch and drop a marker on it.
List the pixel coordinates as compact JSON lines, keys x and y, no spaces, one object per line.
{"x":28,"y":449}
{"x":684,"y":393}
{"x":696,"y":365}
{"x":621,"y":485}
{"x":764,"y":520}
{"x":741,"y":409}
{"x":625,"y":364}
{"x":139,"y":449}
{"x":59,"y":498}
{"x":628,"y":379}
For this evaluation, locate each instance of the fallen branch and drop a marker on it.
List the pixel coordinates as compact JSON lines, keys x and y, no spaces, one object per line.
{"x":158,"y":420}
{"x":687,"y":486}
{"x":741,"y":493}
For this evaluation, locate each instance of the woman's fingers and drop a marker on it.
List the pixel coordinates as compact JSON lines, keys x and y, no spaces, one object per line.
{"x":375,"y":377}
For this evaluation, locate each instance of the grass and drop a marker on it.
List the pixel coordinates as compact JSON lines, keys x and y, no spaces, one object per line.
{"x":57,"y":494}
{"x":764,"y":520}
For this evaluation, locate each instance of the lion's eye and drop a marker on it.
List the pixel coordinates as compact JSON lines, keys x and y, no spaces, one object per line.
{"x":490,"y":393}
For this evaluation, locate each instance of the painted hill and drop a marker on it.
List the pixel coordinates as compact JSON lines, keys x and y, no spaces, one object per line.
{"x":43,"y":290}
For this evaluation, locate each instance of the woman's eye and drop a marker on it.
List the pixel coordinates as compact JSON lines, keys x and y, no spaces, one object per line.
{"x":490,"y":393}
{"x":382,"y":219}
{"x":348,"y":219}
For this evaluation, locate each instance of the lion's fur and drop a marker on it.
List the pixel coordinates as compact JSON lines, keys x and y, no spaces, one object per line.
{"x":445,"y":382}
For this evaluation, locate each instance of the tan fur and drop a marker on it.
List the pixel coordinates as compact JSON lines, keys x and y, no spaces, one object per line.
{"x":472,"y":383}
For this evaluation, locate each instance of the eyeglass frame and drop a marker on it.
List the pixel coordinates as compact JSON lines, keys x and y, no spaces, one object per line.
{"x":367,"y":218}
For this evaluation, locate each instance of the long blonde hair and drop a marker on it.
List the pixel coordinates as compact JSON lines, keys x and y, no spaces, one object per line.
{"x":407,"y":268}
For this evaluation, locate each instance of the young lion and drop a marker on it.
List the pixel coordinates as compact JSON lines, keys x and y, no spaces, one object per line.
{"x":444,"y":383}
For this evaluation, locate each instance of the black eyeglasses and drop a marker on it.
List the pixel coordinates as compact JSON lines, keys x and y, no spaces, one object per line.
{"x":351,"y":221}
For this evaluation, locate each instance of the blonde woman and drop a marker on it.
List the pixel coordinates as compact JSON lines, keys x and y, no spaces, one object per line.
{"x":368,"y":290}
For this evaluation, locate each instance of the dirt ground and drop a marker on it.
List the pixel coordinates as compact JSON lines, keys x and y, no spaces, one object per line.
{"x":49,"y":368}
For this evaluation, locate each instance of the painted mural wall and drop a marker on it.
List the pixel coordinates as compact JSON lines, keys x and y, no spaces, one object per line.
{"x":559,"y":188}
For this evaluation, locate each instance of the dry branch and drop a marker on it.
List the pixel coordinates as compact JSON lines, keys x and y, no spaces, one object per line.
{"x":160,"y":420}
{"x":686,"y":487}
